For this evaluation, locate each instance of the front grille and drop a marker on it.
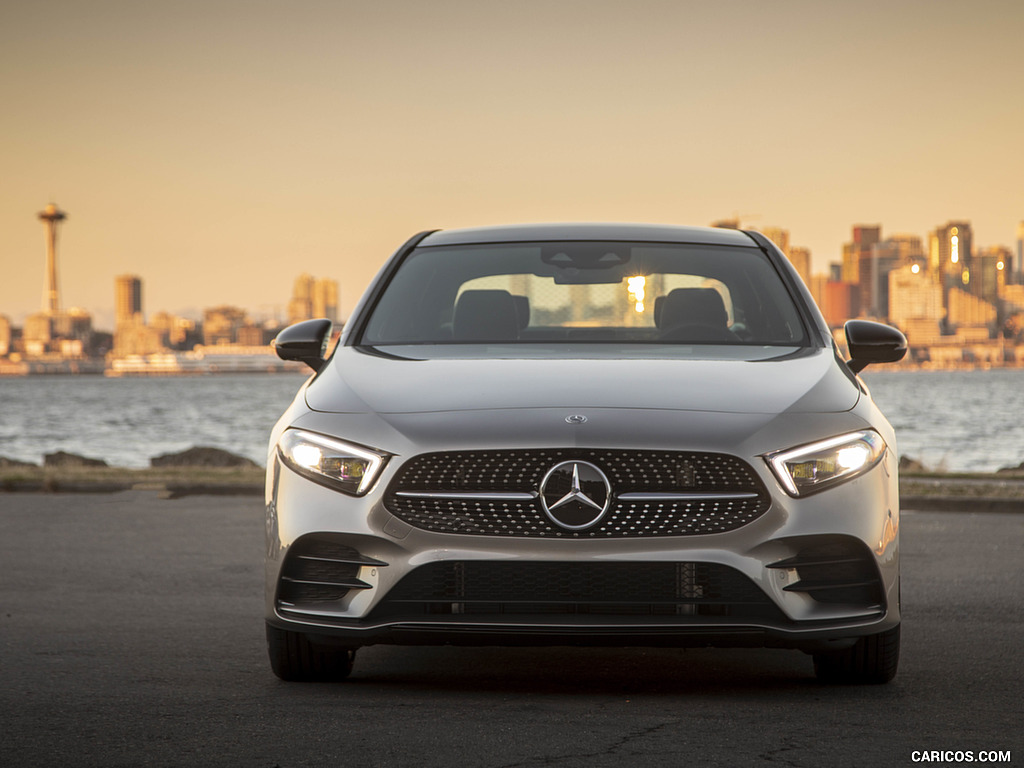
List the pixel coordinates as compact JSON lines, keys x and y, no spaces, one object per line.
{"x":544,"y":589}
{"x":319,"y":568}
{"x":838,"y":571}
{"x":655,"y":493}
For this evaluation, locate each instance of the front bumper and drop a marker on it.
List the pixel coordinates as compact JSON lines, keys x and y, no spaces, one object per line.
{"x":813,"y":573}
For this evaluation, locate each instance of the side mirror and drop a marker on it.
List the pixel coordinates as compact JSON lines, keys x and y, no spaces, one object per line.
{"x":873,"y":343}
{"x":305,"y":341}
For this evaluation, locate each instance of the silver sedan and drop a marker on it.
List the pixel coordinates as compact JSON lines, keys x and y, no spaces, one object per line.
{"x":585,"y":434}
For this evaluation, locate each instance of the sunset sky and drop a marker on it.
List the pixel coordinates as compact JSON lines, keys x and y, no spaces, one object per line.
{"x":219,"y":149}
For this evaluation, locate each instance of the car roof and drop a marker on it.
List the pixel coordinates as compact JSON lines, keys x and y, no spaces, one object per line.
{"x":658,"y":233}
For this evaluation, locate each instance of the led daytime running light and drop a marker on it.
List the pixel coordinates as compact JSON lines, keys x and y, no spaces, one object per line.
{"x":814,"y":467}
{"x":334,"y":463}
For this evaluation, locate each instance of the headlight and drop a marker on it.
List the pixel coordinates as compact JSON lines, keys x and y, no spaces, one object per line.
{"x":334,"y":463}
{"x":815,"y":467}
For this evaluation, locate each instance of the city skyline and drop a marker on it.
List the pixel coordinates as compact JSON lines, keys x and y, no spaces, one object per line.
{"x":284,"y":311}
{"x":217,"y":152}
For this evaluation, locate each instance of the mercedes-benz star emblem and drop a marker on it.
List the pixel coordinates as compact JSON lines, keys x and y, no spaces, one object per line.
{"x":575,"y":494}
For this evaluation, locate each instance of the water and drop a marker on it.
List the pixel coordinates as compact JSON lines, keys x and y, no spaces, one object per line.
{"x":954,"y":420}
{"x":127,"y":421}
{"x":957,"y":421}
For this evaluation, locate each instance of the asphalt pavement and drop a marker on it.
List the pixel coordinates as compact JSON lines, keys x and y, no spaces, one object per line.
{"x":131,"y":634}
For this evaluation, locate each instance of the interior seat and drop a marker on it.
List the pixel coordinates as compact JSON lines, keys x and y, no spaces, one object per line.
{"x":486,"y":315}
{"x":695,"y":314}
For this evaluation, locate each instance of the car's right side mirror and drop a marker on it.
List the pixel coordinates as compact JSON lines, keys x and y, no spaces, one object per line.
{"x":305,"y":341}
{"x":873,"y":343}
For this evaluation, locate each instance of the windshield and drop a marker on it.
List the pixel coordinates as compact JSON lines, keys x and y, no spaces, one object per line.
{"x":611,"y":293}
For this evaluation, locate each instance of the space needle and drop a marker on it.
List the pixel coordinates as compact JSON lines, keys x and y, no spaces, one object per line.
{"x":51,"y":216}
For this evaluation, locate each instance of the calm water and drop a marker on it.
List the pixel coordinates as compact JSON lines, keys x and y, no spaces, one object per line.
{"x":128,"y":421}
{"x":969,"y":421}
{"x":958,"y":421}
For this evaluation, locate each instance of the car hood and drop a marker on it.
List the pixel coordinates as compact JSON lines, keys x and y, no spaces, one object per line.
{"x":358,"y":382}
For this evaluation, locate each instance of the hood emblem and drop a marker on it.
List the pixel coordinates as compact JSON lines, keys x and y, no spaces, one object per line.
{"x":575,"y":494}
{"x":576,"y":418}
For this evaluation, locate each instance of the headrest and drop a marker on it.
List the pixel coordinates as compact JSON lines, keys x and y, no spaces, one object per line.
{"x":485,"y":316}
{"x":688,"y":306}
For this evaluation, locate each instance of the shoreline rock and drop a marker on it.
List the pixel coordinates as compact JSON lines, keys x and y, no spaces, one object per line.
{"x":907,"y":464}
{"x":202,"y":456}
{"x":6,"y":463}
{"x":64,"y":460}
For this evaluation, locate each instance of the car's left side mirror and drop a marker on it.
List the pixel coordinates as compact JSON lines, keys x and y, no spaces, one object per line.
{"x":305,"y":341}
{"x":873,"y":343}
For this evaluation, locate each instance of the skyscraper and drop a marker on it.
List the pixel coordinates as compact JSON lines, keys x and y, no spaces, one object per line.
{"x":950,"y":253}
{"x":325,"y":298}
{"x":313,"y":297}
{"x":1017,"y":273}
{"x":859,"y":266}
{"x":779,"y":236}
{"x":301,"y":305}
{"x":127,"y":298}
{"x":801,"y":260}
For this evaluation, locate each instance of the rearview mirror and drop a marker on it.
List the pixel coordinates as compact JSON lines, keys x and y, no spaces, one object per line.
{"x":305,"y":342}
{"x":873,"y":343}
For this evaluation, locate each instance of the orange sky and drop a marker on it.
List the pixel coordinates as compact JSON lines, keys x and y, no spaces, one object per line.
{"x":218,"y":149}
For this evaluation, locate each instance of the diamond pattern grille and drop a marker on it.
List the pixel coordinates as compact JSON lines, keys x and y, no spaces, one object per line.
{"x":629,"y":472}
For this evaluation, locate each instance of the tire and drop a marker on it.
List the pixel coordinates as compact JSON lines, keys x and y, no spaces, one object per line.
{"x":295,"y":659}
{"x":873,"y":659}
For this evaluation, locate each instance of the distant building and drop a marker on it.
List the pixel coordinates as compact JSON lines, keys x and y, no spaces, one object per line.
{"x":801,"y":260}
{"x":74,"y":324}
{"x":858,"y":251}
{"x":778,"y":236}
{"x":37,"y":332}
{"x":950,"y":251}
{"x":1018,"y":264}
{"x":834,"y":298}
{"x":859,"y":267}
{"x":313,"y":297}
{"x":967,"y":311}
{"x":726,"y":224}
{"x":127,"y":298}
{"x":131,"y":334}
{"x":988,"y":276}
{"x":1013,"y":297}
{"x":886,"y":256}
{"x":177,"y":332}
{"x":914,"y":298}
{"x":251,"y":336}
{"x":325,"y":298}
{"x":134,"y":337}
{"x":301,"y":305}
{"x":221,"y":325}
{"x":6,"y":335}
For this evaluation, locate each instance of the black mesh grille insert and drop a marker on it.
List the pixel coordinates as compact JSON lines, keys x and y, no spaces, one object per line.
{"x":318,"y":568}
{"x":840,"y":570}
{"x":733,"y":494}
{"x":487,"y":588}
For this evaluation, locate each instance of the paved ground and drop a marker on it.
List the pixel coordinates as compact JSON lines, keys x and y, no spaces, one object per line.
{"x":131,"y":635}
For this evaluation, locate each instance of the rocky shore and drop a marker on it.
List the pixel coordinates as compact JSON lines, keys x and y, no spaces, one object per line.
{"x":212,"y":471}
{"x":198,"y":470}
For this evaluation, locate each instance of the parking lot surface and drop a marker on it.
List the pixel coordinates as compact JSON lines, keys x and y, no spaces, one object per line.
{"x":131,"y":634}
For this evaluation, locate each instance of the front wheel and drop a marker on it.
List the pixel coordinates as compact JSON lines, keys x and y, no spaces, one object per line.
{"x":872,"y":659}
{"x":295,"y":659}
